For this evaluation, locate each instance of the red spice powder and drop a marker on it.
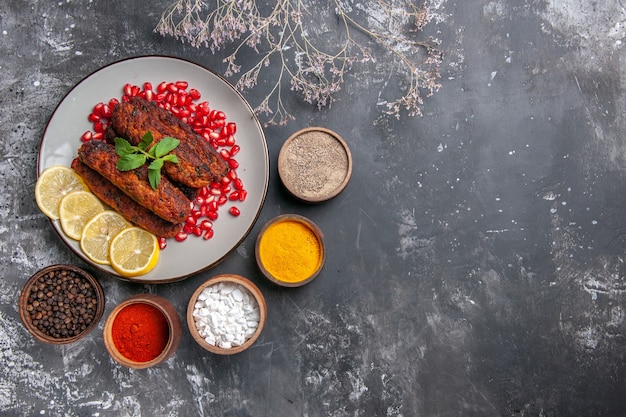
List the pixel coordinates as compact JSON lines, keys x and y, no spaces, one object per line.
{"x":140,"y":332}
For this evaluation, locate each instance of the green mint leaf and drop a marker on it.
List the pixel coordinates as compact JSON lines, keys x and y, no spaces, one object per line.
{"x":154,"y":176}
{"x":122,"y":147}
{"x":146,"y":140}
{"x":170,"y":158}
{"x":165,"y":146}
{"x":156,"y":165}
{"x":130,"y":162}
{"x":132,"y":157}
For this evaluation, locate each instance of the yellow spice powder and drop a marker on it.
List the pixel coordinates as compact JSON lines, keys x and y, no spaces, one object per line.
{"x":290,"y":251}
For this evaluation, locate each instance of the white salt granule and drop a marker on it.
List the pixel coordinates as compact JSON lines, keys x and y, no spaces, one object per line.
{"x":226,"y":314}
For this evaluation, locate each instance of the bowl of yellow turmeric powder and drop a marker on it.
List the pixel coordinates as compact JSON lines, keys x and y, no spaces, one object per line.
{"x":290,"y":250}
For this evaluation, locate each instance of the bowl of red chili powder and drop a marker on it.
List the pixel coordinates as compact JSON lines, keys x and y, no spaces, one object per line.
{"x":142,"y":331}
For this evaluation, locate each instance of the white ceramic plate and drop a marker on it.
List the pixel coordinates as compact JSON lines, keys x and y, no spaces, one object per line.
{"x":61,"y":140}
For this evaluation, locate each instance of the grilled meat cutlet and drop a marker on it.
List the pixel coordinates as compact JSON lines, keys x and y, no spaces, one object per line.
{"x":167,"y":201}
{"x":123,"y":204}
{"x":198,"y":162}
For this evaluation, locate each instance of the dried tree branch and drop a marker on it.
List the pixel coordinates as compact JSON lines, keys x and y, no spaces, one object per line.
{"x":289,"y":33}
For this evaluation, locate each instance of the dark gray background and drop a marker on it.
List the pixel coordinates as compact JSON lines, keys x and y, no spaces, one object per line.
{"x":475,"y":261}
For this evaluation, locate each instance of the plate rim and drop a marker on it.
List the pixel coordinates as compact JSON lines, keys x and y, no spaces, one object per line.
{"x":265,"y":156}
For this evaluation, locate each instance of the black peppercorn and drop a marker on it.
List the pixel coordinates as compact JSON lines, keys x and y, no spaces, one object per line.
{"x":61,"y":304}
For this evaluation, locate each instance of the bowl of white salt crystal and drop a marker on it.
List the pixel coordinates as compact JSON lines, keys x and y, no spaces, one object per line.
{"x":226,"y":314}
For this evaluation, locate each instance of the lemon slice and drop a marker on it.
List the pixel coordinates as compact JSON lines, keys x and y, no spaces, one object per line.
{"x":53,"y":184}
{"x":134,"y":251}
{"x":75,"y":210}
{"x":98,"y":234}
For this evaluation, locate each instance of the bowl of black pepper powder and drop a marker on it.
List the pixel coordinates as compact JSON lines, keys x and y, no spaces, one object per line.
{"x":315,"y":164}
{"x":61,"y":304}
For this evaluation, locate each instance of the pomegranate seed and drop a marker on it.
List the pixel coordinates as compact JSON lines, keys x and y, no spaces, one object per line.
{"x":171,"y":87}
{"x":98,"y":136}
{"x":113,"y":102}
{"x":162,"y":243}
{"x":93,"y":117}
{"x":195,"y":94}
{"x":235,"y":150}
{"x":188,"y":228}
{"x":128,"y":89}
{"x":224,"y":153}
{"x":162,"y":87}
{"x":232,"y":174}
{"x":234,"y":211}
{"x":87,"y":136}
{"x":181,"y":84}
{"x":203,"y":109}
{"x":149,"y":95}
{"x":181,"y":236}
{"x":206,"y":225}
{"x":222,"y":200}
{"x":98,"y":127}
{"x":97,"y":109}
{"x":242,"y":195}
{"x":238,"y":184}
{"x":208,"y":234}
{"x":230,"y":129}
{"x":234,"y":196}
{"x":212,"y":215}
{"x":226,"y":189}
{"x":147,"y":86}
{"x":233,"y":164}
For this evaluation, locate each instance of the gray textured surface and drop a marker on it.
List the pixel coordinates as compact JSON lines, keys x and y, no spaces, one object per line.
{"x":476,"y":259}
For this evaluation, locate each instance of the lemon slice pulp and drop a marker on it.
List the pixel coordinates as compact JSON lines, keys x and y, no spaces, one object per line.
{"x":134,"y":252}
{"x":98,"y":233}
{"x":75,"y":210}
{"x":53,"y":184}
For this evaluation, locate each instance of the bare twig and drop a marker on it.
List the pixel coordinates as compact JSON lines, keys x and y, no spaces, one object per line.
{"x":292,"y":35}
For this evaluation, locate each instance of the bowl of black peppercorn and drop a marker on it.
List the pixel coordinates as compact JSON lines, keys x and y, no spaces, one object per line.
{"x":61,"y":303}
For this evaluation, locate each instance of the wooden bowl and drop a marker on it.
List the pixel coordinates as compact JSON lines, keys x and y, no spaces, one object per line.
{"x":271,"y":244}
{"x":77,"y":288}
{"x":173,"y":325}
{"x":315,"y":164}
{"x":218,"y":284}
